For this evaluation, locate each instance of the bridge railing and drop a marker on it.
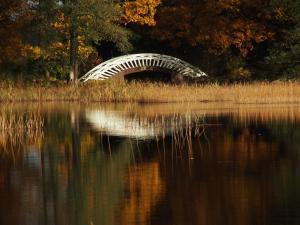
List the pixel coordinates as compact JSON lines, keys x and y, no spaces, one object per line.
{"x":143,"y":61}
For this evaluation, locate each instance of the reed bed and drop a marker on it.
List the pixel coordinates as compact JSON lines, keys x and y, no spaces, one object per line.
{"x":175,"y":125}
{"x":19,"y":129}
{"x":122,"y":91}
{"x":20,"y":122}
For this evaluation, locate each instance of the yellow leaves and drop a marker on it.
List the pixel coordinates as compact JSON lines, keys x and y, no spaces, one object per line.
{"x":84,"y":51}
{"x":140,"y":12}
{"x":60,"y":51}
{"x":32,"y":52}
{"x":58,"y":46}
{"x":60,"y":24}
{"x":56,"y":50}
{"x":279,"y":12}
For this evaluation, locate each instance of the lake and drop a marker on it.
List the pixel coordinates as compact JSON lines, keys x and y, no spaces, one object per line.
{"x":162,"y":164}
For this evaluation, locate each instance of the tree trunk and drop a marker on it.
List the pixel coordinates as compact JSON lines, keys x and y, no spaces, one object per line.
{"x":73,"y":50}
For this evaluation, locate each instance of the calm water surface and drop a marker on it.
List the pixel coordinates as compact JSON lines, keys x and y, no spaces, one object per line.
{"x":152,"y":164}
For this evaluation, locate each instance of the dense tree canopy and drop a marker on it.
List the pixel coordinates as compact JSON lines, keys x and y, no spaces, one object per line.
{"x":283,"y":58}
{"x":14,"y":16}
{"x":243,"y":37}
{"x":217,"y":25}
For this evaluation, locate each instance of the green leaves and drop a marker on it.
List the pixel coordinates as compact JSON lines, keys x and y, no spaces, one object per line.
{"x":283,"y":57}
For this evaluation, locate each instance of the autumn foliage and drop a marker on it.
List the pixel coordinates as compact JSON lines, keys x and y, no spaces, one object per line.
{"x":140,"y":11}
{"x":217,"y":25}
{"x":57,"y":35}
{"x":14,"y":16}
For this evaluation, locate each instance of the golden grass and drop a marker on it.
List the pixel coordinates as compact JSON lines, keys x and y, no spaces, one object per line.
{"x":18,"y":129}
{"x":20,"y":122}
{"x":118,"y":91}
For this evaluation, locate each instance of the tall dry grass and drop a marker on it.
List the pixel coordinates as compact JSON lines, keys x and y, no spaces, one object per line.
{"x":20,"y":122}
{"x":19,"y":129}
{"x":118,"y":91}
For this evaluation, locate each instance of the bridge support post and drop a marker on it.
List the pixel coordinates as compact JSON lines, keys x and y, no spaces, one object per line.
{"x":177,"y":78}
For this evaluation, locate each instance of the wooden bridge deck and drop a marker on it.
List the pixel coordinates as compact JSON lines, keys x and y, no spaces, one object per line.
{"x":129,"y":64}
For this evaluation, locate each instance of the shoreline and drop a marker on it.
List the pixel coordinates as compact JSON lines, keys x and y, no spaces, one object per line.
{"x":137,"y":92}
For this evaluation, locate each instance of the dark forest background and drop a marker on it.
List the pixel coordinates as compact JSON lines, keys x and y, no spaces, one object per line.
{"x":227,"y":39}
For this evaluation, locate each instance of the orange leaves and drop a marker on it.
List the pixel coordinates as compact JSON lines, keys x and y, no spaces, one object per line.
{"x":216,"y":25}
{"x":10,"y":47}
{"x":220,"y":41}
{"x":174,"y":25}
{"x":60,"y":24}
{"x":241,"y":34}
{"x":140,"y":12}
{"x":246,"y":33}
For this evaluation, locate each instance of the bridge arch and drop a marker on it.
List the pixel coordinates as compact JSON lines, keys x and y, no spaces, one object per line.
{"x":134,"y":63}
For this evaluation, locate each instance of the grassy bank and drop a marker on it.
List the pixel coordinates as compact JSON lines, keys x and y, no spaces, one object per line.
{"x":118,"y":91}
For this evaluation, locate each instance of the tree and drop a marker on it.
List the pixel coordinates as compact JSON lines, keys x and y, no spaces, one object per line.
{"x":224,"y":34}
{"x":75,"y":27}
{"x":283,"y":57}
{"x":217,"y":25}
{"x":89,"y":22}
{"x":140,"y":12}
{"x":14,"y":15}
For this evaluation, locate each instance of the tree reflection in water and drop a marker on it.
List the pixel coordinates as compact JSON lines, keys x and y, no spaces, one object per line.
{"x":157,"y":165}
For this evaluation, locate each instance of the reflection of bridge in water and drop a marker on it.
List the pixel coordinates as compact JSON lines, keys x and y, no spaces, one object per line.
{"x":129,"y":64}
{"x":116,"y":123}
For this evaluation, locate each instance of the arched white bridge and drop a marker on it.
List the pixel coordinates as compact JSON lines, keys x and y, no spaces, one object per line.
{"x":134,"y":63}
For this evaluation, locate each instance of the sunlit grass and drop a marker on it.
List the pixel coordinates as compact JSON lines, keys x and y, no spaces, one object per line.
{"x":118,"y":91}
